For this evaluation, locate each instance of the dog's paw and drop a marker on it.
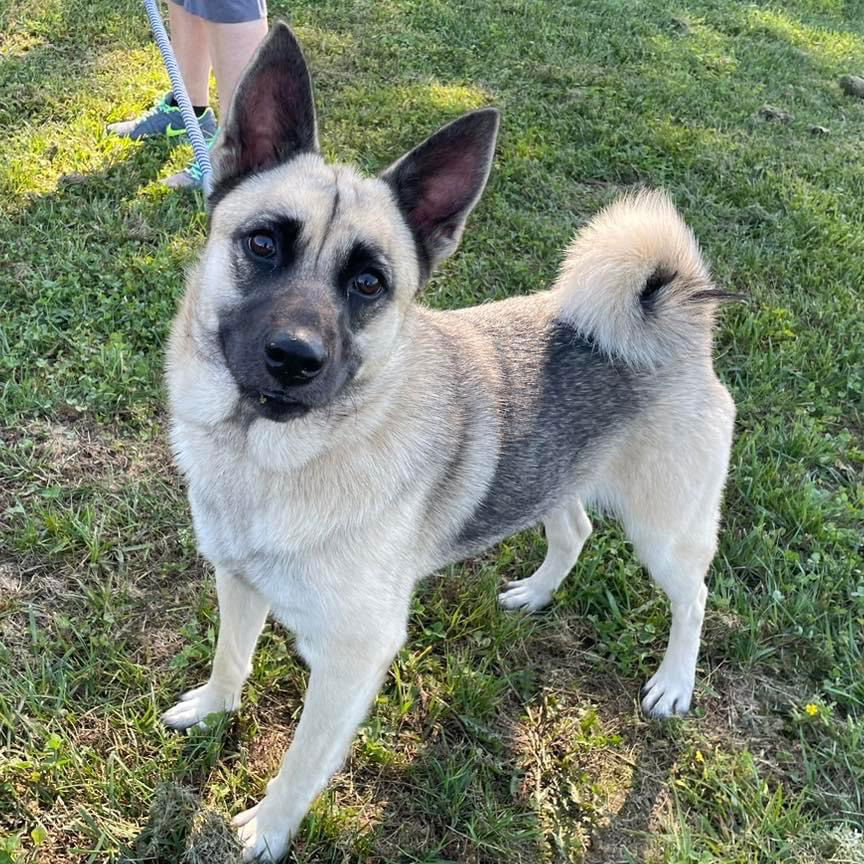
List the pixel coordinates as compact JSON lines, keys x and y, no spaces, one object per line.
{"x":525,"y":594}
{"x":196,"y":705}
{"x":263,"y":835}
{"x":667,"y":693}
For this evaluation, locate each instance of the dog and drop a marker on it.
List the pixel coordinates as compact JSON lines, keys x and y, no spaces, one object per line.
{"x":340,"y":441}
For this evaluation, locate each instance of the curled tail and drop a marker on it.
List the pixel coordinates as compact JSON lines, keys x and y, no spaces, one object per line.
{"x":634,"y":282}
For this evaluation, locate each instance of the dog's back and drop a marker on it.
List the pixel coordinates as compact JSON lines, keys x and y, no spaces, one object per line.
{"x":553,"y":404}
{"x":562,"y":377}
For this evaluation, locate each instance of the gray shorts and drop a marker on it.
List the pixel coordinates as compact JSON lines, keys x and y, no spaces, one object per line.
{"x":225,"y":11}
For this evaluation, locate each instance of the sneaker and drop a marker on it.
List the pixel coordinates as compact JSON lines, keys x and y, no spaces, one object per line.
{"x":162,"y":119}
{"x":191,"y":177}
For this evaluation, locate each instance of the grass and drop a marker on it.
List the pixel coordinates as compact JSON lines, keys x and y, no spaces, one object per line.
{"x":497,"y":738}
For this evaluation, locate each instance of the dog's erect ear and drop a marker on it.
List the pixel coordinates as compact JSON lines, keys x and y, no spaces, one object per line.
{"x":438,"y":183}
{"x":272,"y":114}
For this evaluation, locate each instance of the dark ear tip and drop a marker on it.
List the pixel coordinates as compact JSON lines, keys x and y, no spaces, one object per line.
{"x":486,"y":120}
{"x":282,"y":36}
{"x":280,"y":28}
{"x":487,"y":114}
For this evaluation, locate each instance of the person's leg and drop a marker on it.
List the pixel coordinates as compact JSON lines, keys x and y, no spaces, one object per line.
{"x":231,"y":49}
{"x":189,"y":39}
{"x":191,"y":47}
{"x":232,"y":42}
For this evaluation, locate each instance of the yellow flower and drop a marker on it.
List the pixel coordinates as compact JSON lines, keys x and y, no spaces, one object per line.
{"x":811,"y":709}
{"x":699,"y":757}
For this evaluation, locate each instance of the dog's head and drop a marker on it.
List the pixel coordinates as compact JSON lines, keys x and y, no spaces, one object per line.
{"x":310,"y":269}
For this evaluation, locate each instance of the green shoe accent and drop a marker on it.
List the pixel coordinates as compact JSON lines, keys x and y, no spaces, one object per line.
{"x":191,"y":177}
{"x":207,"y":122}
{"x":162,"y":119}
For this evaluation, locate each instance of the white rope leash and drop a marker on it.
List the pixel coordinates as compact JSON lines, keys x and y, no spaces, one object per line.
{"x":178,"y":88}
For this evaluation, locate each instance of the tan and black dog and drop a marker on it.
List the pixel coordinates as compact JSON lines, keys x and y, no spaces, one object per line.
{"x":341,"y":441}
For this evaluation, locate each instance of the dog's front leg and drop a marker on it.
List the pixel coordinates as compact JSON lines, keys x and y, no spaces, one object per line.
{"x":346,"y":671}
{"x":242,"y":613}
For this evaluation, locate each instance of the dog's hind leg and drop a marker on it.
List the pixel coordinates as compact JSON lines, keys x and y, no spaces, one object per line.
{"x":567,"y":529}
{"x":242,"y":613}
{"x":679,"y":568}
{"x":669,"y":491}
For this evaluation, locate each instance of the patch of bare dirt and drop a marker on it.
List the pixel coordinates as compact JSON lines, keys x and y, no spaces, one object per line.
{"x":13,"y":630}
{"x":267,"y":748}
{"x":28,"y":590}
{"x":79,"y":452}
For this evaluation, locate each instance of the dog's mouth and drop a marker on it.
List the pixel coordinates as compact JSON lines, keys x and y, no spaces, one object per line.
{"x":274,"y":405}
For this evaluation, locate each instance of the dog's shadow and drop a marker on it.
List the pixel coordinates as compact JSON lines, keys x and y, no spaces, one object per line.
{"x":601,"y":780}
{"x":180,"y":829}
{"x":627,"y":835}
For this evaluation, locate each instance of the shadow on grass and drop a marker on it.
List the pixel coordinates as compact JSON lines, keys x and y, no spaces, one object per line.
{"x":58,"y":53}
{"x":627,"y":836}
{"x":181,"y":830}
{"x":601,"y":773}
{"x":539,"y":774}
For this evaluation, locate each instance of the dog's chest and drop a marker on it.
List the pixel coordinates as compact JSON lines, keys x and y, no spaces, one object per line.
{"x":301,"y":540}
{"x":249,"y":518}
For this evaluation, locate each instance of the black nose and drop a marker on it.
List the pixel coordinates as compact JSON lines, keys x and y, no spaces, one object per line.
{"x":294,"y":358}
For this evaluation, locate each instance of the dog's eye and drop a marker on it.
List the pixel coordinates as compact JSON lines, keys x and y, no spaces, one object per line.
{"x":367,"y":284}
{"x":262,"y":244}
